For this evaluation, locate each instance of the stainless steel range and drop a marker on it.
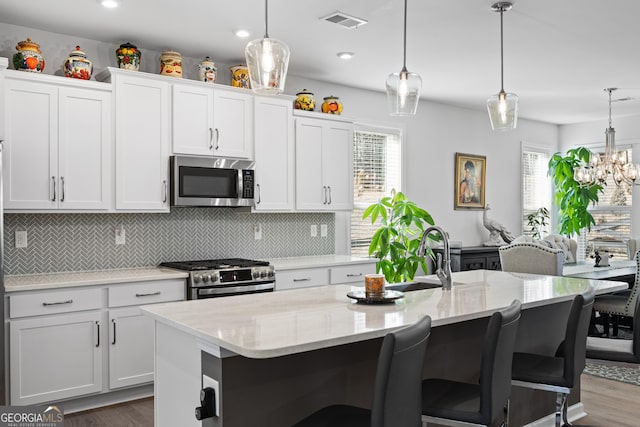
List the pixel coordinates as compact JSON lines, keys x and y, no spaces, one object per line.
{"x":225,"y":277}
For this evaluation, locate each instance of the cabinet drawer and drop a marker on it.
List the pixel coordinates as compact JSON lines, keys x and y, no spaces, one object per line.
{"x":53,"y":302}
{"x":151,"y":292}
{"x":351,"y":273}
{"x":292,"y":279}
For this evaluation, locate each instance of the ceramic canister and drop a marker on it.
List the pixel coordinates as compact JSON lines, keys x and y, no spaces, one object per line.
{"x":128,"y":57}
{"x":207,"y":71}
{"x":171,"y":64}
{"x":305,"y":101}
{"x":240,"y":76}
{"x":332,"y":105}
{"x":77,"y":65}
{"x":28,"y":57}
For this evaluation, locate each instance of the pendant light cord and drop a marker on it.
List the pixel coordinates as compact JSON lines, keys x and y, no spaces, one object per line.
{"x":266,"y":19}
{"x":501,"y":52}
{"x":404,"y":53}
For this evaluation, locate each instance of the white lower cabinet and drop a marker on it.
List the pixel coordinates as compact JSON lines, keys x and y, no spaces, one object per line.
{"x":59,"y":339}
{"x":130,"y":347}
{"x":319,"y":276}
{"x":55,"y":357}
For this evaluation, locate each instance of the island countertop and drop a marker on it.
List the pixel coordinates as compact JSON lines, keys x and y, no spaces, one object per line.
{"x":279,"y":323}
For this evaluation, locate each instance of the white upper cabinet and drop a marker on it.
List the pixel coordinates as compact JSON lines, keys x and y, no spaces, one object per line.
{"x":274,"y":154}
{"x":58,"y":144}
{"x":212,"y":120}
{"x":233,"y":121}
{"x":324,"y":165}
{"x":142,"y":141}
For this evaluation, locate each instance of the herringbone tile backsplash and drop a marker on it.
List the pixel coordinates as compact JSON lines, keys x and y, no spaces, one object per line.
{"x":78,"y":242}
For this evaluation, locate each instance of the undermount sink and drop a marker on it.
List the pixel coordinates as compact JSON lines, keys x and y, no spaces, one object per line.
{"x":413,"y":286}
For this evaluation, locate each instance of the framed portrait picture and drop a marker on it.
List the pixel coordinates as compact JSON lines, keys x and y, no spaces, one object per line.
{"x":469,"y":181}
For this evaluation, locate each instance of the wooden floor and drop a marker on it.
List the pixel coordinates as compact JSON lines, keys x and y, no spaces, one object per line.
{"x":608,"y":403}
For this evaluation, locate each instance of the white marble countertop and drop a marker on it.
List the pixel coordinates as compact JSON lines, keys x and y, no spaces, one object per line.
{"x":313,"y":261}
{"x":279,"y":323}
{"x":30,"y":282}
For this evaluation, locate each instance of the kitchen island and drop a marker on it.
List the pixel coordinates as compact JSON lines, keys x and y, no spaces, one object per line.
{"x":276,"y":357}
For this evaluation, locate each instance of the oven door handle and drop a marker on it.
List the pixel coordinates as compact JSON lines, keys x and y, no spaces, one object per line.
{"x":240,"y":186}
{"x":222,"y":290}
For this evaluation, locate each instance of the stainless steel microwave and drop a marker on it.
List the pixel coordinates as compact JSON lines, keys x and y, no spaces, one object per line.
{"x":211,"y":181}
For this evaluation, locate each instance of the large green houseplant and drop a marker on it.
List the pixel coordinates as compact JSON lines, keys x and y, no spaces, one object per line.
{"x":395,"y":243}
{"x":571,"y":198}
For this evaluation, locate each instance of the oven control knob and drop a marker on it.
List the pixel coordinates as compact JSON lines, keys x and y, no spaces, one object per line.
{"x":263,"y":274}
{"x":256,"y":274}
{"x":270,"y":273}
{"x":206,"y":277}
{"x":197,"y":278}
{"x":215,"y":277}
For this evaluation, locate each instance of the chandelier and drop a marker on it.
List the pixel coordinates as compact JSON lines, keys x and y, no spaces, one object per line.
{"x":611,"y":162}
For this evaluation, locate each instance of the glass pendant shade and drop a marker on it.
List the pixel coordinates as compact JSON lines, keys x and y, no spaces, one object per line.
{"x":267,"y":62}
{"x":503,"y":110}
{"x":403,"y":93}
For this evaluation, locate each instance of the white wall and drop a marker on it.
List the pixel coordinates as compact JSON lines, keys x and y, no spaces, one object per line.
{"x":431,"y":138}
{"x":592,"y":134}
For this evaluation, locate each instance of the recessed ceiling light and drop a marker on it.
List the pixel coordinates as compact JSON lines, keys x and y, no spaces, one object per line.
{"x":242,"y":33}
{"x":108,"y":3}
{"x":345,"y":55}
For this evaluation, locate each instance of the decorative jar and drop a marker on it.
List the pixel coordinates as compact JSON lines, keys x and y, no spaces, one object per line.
{"x":28,"y":57}
{"x":240,"y":76}
{"x":332,"y":105}
{"x":305,"y":101}
{"x":207,"y":71}
{"x":128,"y":57}
{"x":171,"y":64}
{"x":77,"y":65}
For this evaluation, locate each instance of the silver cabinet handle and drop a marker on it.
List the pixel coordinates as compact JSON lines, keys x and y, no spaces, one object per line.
{"x":217,"y":138}
{"x":324,"y":194}
{"x":354,"y":274}
{"x":306,"y":279}
{"x":149,"y":294}
{"x":53,"y":179}
{"x":329,"y":202}
{"x":210,"y":138}
{"x":69,"y":301}
{"x":98,"y":334}
{"x":259,"y":198}
{"x":164,"y":191}
{"x":62,"y":188}
{"x":113,"y":322}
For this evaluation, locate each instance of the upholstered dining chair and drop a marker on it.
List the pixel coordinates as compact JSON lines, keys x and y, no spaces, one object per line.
{"x":633,"y":245}
{"x":618,"y":304}
{"x":396,"y":395}
{"x":531,"y":258}
{"x":618,"y":350}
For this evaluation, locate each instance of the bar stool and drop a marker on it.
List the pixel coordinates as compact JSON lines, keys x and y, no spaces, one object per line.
{"x":560,"y":372}
{"x":396,"y":398}
{"x":455,"y":403}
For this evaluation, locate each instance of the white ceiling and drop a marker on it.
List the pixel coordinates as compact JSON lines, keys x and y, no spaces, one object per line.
{"x":559,"y":55}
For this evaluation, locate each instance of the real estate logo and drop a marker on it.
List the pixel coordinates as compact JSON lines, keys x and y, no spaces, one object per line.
{"x":31,"y":416}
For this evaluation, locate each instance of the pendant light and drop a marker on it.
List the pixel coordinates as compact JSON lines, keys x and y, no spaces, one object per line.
{"x":503,"y":107}
{"x":403,"y":88}
{"x":267,"y":61}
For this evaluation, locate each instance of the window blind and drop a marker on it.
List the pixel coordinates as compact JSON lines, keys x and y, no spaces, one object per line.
{"x":536,"y":186}
{"x":377,"y":171}
{"x":613,"y":218}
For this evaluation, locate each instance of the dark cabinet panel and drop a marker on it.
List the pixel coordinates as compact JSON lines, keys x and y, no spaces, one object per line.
{"x":474,"y":258}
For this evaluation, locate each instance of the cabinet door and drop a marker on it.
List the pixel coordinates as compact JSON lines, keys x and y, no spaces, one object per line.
{"x":31,"y":145}
{"x":233,"y":123}
{"x":192,"y":119}
{"x":310,"y":192}
{"x":142,"y":143}
{"x":55,"y":357}
{"x":130,"y":347}
{"x":84,"y":149}
{"x":337,"y":165}
{"x":274,"y":154}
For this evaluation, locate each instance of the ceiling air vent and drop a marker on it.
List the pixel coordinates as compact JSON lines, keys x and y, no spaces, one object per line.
{"x":344,"y":20}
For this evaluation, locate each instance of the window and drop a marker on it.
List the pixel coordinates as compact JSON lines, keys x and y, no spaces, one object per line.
{"x":613,"y":217}
{"x":377,"y":165}
{"x":536,"y":185}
